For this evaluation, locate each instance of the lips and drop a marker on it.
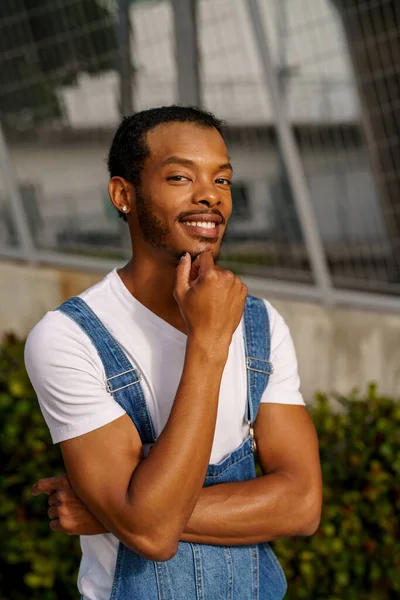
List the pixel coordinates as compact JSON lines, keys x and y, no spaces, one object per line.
{"x":204,"y":229}
{"x":202,"y":218}
{"x":205,"y":226}
{"x":201,"y":224}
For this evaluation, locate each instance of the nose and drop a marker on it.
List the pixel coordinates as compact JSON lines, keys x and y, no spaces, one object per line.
{"x":207,"y":195}
{"x":208,"y":203}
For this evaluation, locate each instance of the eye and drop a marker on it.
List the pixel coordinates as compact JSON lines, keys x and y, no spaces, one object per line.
{"x":178,"y":178}
{"x":223,"y":181}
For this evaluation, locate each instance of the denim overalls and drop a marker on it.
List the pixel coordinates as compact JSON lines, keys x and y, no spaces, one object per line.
{"x":197,"y":571}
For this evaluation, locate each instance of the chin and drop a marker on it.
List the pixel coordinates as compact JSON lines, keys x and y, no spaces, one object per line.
{"x":196,"y":247}
{"x":214,"y":251}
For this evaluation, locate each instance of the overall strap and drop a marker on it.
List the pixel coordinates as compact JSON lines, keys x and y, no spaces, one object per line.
{"x":257,"y":338}
{"x":122,"y":379}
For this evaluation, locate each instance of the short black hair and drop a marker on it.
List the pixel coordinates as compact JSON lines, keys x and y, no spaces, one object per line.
{"x":129,"y":149}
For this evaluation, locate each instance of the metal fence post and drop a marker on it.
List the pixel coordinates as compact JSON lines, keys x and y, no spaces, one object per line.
{"x":126,"y":69}
{"x":126,"y":83}
{"x":187,"y":51}
{"x":18,"y":215}
{"x":292,"y":159}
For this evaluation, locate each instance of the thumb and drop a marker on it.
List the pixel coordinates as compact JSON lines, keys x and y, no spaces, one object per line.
{"x":194,"y":270}
{"x":182,"y":275}
{"x":206,"y":262}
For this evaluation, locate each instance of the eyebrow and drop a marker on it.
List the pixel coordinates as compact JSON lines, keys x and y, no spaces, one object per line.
{"x":187,"y":162}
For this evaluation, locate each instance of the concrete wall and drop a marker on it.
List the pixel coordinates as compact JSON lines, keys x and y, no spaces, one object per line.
{"x":337,"y":348}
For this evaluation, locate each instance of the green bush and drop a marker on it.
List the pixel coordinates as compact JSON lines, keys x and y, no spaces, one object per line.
{"x":35,"y":562}
{"x":355,"y":555}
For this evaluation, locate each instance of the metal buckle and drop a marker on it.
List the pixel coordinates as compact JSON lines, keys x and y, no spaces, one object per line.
{"x":267,"y":362}
{"x":253,"y":443}
{"x":110,"y":391}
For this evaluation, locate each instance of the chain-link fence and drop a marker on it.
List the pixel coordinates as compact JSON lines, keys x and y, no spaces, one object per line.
{"x":316,"y":185}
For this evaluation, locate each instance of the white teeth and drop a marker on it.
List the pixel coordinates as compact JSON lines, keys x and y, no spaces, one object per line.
{"x":203,"y":224}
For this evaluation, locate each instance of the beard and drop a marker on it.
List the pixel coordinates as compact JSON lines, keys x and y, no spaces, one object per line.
{"x":156,"y":233}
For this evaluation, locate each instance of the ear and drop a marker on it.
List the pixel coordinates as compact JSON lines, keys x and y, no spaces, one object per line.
{"x":122,"y":194}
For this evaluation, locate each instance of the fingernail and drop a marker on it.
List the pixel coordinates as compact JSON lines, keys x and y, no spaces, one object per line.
{"x":183,"y":256}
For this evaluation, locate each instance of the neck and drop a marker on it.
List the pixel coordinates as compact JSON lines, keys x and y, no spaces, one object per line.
{"x":152,"y":282}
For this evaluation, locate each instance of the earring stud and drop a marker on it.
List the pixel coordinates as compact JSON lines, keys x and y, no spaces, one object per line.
{"x":124,"y":208}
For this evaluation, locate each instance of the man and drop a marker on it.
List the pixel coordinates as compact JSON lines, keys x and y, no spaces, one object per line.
{"x":159,"y":381}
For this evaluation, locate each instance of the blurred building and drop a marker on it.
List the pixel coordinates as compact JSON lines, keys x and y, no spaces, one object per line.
{"x":61,"y":166}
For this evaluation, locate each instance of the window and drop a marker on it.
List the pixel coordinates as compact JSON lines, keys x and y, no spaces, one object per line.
{"x":241,"y":209}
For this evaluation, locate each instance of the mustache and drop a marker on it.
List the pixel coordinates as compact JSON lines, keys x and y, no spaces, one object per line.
{"x":213,"y":211}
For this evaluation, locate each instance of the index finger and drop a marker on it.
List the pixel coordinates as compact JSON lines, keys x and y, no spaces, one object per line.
{"x":48,"y":485}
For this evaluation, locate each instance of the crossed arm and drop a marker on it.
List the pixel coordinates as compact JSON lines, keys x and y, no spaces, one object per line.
{"x":285,"y":501}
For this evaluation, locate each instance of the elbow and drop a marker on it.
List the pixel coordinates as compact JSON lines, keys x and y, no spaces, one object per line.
{"x":162,"y":553}
{"x":310,"y":517}
{"x":152,"y":538}
{"x":153,"y":547}
{"x":309,"y":527}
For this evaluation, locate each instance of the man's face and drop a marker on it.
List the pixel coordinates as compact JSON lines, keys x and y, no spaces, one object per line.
{"x":184,"y":200}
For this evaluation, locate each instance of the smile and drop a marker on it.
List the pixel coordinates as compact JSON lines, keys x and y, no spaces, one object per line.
{"x":202,"y":224}
{"x":203,"y":229}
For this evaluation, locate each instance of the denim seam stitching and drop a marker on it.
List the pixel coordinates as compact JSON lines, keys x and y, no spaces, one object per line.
{"x":160,"y":580}
{"x":251,"y":374}
{"x":228,"y":555}
{"x":255,"y":553}
{"x":248,"y":346}
{"x":198,"y":572}
{"x":118,"y":567}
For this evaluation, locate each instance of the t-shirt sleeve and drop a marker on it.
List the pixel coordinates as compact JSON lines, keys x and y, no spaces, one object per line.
{"x":68,"y":378}
{"x":284,"y":383}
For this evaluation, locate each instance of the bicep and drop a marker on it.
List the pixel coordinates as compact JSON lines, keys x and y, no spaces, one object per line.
{"x":287,"y":442}
{"x":100,"y":465}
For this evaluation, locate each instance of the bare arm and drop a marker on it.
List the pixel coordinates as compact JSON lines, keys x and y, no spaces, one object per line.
{"x":146,"y":504}
{"x":286,"y":501}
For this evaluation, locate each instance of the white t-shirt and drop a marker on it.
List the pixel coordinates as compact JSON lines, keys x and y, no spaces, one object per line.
{"x":69,"y":380}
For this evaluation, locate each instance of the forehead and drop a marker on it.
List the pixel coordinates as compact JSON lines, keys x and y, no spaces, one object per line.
{"x":186,"y":140}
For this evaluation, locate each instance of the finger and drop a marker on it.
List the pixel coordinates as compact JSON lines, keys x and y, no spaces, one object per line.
{"x":41,"y":488}
{"x":53,"y":512}
{"x":49,"y":484}
{"x":55,"y":525}
{"x":46,"y":485}
{"x":53,"y":500}
{"x":183,"y":274}
{"x":206,"y":262}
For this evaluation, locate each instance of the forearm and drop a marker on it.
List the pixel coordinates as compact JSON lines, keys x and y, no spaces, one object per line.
{"x":251,"y":512}
{"x":166,"y":485}
{"x":247,"y":512}
{"x":163,"y":488}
